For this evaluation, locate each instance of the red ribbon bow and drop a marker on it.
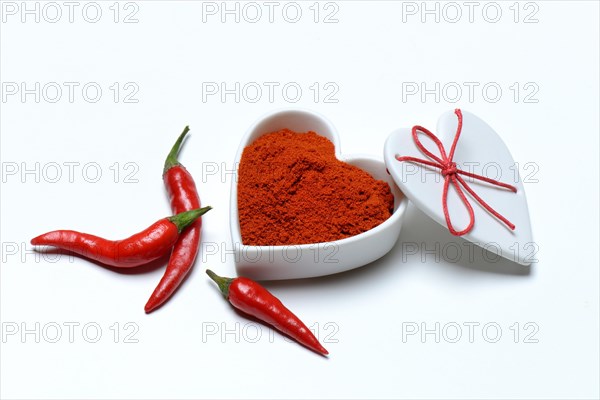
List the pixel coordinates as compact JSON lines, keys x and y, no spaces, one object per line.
{"x":452,"y":174}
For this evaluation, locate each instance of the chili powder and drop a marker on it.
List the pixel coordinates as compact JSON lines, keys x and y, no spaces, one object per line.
{"x":293,"y":190}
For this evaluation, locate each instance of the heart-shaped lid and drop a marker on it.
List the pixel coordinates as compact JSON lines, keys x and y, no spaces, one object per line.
{"x":484,"y":178}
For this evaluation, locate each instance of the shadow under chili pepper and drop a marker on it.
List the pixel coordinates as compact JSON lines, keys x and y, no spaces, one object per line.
{"x":149,"y":267}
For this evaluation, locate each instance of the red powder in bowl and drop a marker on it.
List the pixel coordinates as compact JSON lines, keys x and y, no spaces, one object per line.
{"x":293,"y":190}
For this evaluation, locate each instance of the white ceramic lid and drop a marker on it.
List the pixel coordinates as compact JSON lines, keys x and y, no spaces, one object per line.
{"x":479,"y":150}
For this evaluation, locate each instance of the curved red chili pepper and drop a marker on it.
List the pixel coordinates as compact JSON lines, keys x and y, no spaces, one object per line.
{"x":140,"y":248}
{"x":183,"y":196}
{"x":253,"y":299}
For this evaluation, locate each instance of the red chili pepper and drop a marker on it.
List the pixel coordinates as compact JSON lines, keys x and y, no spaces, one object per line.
{"x":141,"y":248}
{"x":253,"y":299}
{"x":183,"y":196}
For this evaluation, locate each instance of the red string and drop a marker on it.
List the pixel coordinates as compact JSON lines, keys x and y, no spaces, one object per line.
{"x":452,"y":174}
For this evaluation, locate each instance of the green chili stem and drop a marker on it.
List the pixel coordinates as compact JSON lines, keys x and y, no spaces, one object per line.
{"x":182,"y":220}
{"x":171,"y":160}
{"x":222,"y":282}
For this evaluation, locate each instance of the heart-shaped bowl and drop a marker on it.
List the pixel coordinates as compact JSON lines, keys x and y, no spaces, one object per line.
{"x":316,"y":259}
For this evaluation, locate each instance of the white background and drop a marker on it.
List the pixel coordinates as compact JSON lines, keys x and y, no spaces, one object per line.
{"x":371,"y":54}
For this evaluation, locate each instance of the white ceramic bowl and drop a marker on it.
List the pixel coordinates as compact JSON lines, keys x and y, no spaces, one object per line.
{"x":318,"y":259}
